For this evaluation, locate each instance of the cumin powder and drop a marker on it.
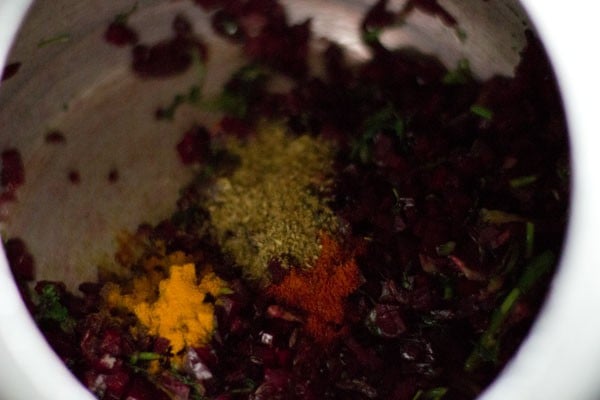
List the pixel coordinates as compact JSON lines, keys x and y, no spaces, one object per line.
{"x":275,"y":204}
{"x":178,"y":311}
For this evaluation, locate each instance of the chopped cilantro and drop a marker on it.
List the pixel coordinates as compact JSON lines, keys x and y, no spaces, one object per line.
{"x":445,"y":249}
{"x":191,"y":97}
{"x":499,"y":216}
{"x":371,"y":36}
{"x":230,"y":103}
{"x":460,"y":75}
{"x":461,"y":34}
{"x":529,"y":238}
{"x":248,"y":386}
{"x":50,"y":308}
{"x":60,"y":38}
{"x":488,"y":346}
{"x":522,"y":181}
{"x":244,"y":86}
{"x":482,"y":111}
{"x":437,"y":393}
{"x":563,"y":171}
{"x":122,"y":18}
{"x":385,"y":120}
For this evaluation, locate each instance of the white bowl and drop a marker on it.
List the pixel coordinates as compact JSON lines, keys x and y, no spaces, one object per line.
{"x":559,"y":359}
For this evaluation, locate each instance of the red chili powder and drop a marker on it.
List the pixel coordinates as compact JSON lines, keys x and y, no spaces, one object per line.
{"x":321,"y":292}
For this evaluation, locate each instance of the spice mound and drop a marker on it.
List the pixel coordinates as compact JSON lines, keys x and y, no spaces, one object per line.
{"x":180,"y":312}
{"x":321,"y":292}
{"x":273,"y":206}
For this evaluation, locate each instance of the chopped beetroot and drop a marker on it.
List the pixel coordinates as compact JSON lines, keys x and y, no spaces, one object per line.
{"x":194,"y":147}
{"x":55,"y":137}
{"x":283,"y":48}
{"x":116,"y":384}
{"x":164,"y":59}
{"x":182,"y":27}
{"x":385,"y":320}
{"x":74,"y":177}
{"x":20,"y":259}
{"x":210,"y":4}
{"x":111,"y":342}
{"x":234,"y":125}
{"x":140,"y":389}
{"x":169,"y":57}
{"x":120,"y":34}
{"x":13,"y":173}
{"x":10,"y":70}
{"x":113,"y":175}
{"x":377,"y":17}
{"x":175,"y":388}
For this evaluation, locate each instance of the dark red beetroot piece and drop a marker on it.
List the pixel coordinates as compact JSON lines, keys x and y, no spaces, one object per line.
{"x":20,"y":260}
{"x":113,"y":175}
{"x":55,"y":137}
{"x":13,"y":173}
{"x":171,"y":56}
{"x":74,"y":177}
{"x":120,"y":34}
{"x":262,"y":28}
{"x":194,"y":147}
{"x":10,"y":70}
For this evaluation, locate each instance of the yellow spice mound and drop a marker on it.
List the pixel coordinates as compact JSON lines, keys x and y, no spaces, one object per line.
{"x":179,"y":313}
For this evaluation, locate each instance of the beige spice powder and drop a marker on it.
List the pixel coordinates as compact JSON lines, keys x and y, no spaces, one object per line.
{"x":274,"y":205}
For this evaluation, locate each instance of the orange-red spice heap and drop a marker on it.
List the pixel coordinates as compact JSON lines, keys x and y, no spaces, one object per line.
{"x":321,"y":292}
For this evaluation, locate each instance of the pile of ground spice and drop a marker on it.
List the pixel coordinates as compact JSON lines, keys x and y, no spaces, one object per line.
{"x":321,"y":292}
{"x":180,"y":312}
{"x":275,"y":204}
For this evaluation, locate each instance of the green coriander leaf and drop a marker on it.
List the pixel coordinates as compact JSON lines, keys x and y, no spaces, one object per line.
{"x":529,"y":238}
{"x":460,"y":75}
{"x":122,"y":18}
{"x":445,"y":249}
{"x":522,"y":181}
{"x":60,"y":38}
{"x":50,"y":308}
{"x":489,"y":343}
{"x":143,"y":356}
{"x":482,"y":111}
{"x":371,"y":36}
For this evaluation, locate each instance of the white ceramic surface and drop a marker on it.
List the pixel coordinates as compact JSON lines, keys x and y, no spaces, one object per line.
{"x":561,"y":358}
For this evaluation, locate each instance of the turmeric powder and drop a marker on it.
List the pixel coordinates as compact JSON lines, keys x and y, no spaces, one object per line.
{"x":179,"y":312}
